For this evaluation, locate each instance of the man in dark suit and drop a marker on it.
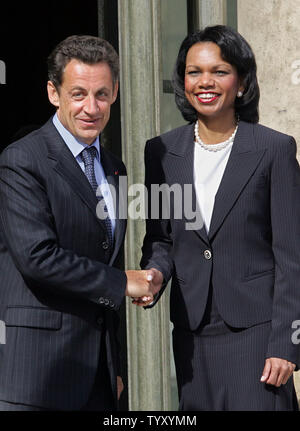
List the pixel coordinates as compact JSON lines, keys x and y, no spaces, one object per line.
{"x":60,"y":243}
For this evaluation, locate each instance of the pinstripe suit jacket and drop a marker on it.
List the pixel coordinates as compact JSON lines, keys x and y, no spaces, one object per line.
{"x":254,"y":236}
{"x":59,"y":282}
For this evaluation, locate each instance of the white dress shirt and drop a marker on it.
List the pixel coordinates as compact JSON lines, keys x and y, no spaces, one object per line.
{"x":209,"y":168}
{"x":76,"y":147}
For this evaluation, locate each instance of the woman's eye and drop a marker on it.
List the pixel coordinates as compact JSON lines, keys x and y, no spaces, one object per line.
{"x":221,"y":72}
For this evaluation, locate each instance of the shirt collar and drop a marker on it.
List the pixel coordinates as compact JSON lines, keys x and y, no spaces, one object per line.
{"x":73,"y":143}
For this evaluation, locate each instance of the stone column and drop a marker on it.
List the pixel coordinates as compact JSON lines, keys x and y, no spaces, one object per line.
{"x":211,"y":12}
{"x":272,"y":29}
{"x":140,"y":88}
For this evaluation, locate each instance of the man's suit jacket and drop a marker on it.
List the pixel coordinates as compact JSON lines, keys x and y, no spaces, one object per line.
{"x":60,"y":286}
{"x":251,"y":254}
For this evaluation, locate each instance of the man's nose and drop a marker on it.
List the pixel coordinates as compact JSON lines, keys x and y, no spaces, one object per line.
{"x":91,"y":106}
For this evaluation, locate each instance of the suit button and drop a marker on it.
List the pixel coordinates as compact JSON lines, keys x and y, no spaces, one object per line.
{"x":207,"y":254}
{"x":106,"y":302}
{"x":105,"y":245}
{"x":101,"y":300}
{"x":111,"y":304}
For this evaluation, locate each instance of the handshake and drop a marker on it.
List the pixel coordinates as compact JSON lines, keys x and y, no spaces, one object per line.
{"x":143,"y":285}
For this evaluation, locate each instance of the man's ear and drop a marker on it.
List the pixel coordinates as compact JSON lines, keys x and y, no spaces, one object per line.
{"x":115,"y":91}
{"x":53,"y":95}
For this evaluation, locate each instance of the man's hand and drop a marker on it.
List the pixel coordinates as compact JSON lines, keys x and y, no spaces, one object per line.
{"x":138,"y":284}
{"x":277,"y":371}
{"x":120,"y":386}
{"x":156,"y":278}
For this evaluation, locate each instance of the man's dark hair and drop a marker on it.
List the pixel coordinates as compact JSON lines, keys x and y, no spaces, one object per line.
{"x":234,"y":50}
{"x":87,"y":49}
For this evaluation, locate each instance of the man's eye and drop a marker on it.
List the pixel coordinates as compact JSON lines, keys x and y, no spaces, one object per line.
{"x":78,"y":95}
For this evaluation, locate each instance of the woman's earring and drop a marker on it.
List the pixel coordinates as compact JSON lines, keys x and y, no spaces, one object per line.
{"x":240,"y":94}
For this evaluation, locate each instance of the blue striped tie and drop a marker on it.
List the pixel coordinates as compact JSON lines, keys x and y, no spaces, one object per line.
{"x":88,"y":155}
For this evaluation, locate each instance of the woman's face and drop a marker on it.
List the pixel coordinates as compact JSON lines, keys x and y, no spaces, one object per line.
{"x":211,"y":84}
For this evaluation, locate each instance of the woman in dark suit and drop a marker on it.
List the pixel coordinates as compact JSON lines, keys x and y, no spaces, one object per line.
{"x":235,"y":292}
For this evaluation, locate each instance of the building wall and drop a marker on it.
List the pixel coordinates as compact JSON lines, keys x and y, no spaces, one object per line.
{"x":272,"y":29}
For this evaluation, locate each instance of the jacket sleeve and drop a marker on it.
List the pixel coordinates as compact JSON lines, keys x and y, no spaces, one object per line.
{"x":30,"y":237}
{"x":157,"y":245}
{"x":285,"y":218}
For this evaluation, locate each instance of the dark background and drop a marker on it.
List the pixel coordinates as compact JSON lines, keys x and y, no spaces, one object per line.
{"x":28,"y":33}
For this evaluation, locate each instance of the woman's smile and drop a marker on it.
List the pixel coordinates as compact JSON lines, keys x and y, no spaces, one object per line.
{"x":211,"y":83}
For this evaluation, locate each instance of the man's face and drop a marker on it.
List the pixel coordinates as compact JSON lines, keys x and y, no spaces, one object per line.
{"x":84,"y":99}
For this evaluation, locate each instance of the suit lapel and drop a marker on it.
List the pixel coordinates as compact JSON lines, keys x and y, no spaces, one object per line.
{"x":112,"y":176}
{"x":242,"y":163}
{"x":180,"y":167}
{"x":67,"y":167}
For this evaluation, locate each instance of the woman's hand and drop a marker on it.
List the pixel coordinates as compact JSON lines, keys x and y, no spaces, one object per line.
{"x":156,"y":279}
{"x":277,"y":371}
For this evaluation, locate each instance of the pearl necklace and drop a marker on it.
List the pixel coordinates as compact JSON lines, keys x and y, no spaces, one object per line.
{"x":213,"y":147}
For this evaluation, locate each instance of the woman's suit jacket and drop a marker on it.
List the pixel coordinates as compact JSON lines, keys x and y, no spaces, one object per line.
{"x":251,"y":254}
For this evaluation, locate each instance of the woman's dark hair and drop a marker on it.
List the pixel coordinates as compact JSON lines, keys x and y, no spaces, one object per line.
{"x":88,"y":49}
{"x":234,"y":50}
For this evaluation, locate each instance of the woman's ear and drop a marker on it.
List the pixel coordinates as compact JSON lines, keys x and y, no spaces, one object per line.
{"x":241,"y":89}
